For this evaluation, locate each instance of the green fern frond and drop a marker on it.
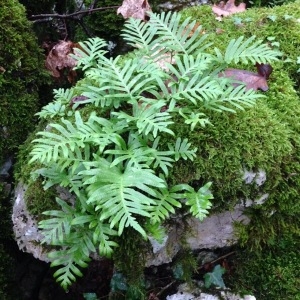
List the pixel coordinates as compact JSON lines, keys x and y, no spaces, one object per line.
{"x":236,"y":97}
{"x":174,"y":35}
{"x":120,"y":84}
{"x":89,"y":52}
{"x":168,"y":199}
{"x":182,"y":149}
{"x":239,"y":50}
{"x":134,"y":153}
{"x":150,"y":119}
{"x":57,"y":228}
{"x":139,"y":34}
{"x":121,"y":195}
{"x":194,"y":119}
{"x":69,"y":260}
{"x":102,"y":234}
{"x":199,"y":202}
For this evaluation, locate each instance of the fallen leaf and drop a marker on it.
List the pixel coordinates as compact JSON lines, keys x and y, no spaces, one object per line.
{"x":59,"y":59}
{"x":134,"y":9}
{"x":264,"y":70}
{"x":224,"y":10}
{"x":252,"y":80}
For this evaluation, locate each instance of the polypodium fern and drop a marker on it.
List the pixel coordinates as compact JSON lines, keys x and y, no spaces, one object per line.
{"x":115,"y":157}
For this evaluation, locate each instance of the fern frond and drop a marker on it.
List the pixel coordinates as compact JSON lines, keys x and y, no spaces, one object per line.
{"x":121,"y":195}
{"x":194,"y":119}
{"x":135,"y":153}
{"x":195,"y":89}
{"x":58,"y":106}
{"x":89,"y":52}
{"x":150,"y":118}
{"x":70,"y":259}
{"x":174,"y":35}
{"x":57,"y":228}
{"x":101,"y":236}
{"x":120,"y":84}
{"x":182,"y":149}
{"x":187,"y":65}
{"x":168,"y":200}
{"x":162,"y":159}
{"x":199,"y":201}
{"x":139,"y":34}
{"x":236,"y":97}
{"x":239,"y":50}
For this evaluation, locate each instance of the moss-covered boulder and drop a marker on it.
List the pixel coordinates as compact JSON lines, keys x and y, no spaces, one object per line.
{"x":263,"y":139}
{"x":21,"y":74}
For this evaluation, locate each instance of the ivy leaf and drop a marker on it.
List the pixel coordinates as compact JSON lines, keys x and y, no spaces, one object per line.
{"x":215,"y":277}
{"x":90,"y":296}
{"x":118,"y":283}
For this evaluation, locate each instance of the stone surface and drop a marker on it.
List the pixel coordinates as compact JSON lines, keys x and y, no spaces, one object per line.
{"x":186,"y":293}
{"x":215,"y":231}
{"x":25,"y":227}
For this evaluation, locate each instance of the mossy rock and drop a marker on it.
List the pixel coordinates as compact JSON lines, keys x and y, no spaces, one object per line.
{"x":22,"y":72}
{"x":21,"y":75}
{"x":264,"y":137}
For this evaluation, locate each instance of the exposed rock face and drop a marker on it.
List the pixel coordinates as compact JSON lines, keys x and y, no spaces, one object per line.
{"x":216,"y":231}
{"x":25,"y":227}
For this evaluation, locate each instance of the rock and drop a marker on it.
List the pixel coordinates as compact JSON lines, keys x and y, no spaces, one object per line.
{"x":215,"y":231}
{"x":25,"y":227}
{"x":185,"y":293}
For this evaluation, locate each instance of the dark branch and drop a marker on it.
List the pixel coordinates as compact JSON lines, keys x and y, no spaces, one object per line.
{"x":74,"y":15}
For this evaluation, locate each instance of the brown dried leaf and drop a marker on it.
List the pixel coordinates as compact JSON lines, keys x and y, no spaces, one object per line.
{"x":2,"y":70}
{"x":59,"y":58}
{"x":255,"y":81}
{"x":134,"y":9}
{"x":224,"y":10}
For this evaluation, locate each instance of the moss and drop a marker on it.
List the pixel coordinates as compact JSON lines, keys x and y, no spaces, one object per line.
{"x":265,"y":137}
{"x":256,"y":22}
{"x":22,"y":61}
{"x":270,"y":274}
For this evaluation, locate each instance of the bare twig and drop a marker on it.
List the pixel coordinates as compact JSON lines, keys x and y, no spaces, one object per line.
{"x":219,"y":258}
{"x":74,"y":15}
{"x":165,"y":288}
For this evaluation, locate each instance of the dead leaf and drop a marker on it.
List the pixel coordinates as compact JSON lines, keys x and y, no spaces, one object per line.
{"x":134,"y":9}
{"x":2,"y":70}
{"x":264,"y":70}
{"x":59,"y":59}
{"x":252,"y":80}
{"x":224,"y":10}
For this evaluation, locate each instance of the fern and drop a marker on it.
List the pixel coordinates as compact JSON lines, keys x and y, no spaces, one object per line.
{"x":111,"y":156}
{"x":245,"y":51}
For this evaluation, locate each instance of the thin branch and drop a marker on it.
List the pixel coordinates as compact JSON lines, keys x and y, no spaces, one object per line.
{"x":214,"y":261}
{"x":72,"y":15}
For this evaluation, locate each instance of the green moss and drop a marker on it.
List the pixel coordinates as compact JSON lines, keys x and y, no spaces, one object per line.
{"x":256,"y":21}
{"x":22,"y":61}
{"x":271,"y":274}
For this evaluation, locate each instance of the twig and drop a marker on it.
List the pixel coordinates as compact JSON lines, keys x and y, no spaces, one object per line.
{"x":217,"y":259}
{"x":165,"y":288}
{"x":72,"y":15}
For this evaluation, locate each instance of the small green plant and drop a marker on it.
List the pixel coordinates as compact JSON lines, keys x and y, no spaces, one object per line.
{"x":215,"y":277}
{"x":110,"y":153}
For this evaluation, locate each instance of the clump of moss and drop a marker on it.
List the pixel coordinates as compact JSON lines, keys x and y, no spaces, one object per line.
{"x":22,"y":72}
{"x":270,"y":274}
{"x":264,"y":137}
